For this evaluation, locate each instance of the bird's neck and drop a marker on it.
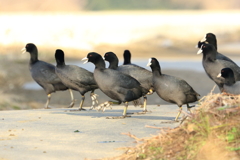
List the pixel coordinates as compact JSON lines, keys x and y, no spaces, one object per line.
{"x":100,"y":64}
{"x":127,"y":61}
{"x":60,"y":64}
{"x":214,"y":43}
{"x":209,"y":57}
{"x":113,"y":65}
{"x":156,"y":71}
{"x":34,"y":57}
{"x":230,"y":81}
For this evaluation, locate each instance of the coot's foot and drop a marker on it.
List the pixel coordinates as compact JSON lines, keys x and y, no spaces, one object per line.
{"x":118,"y":117}
{"x":94,"y":100}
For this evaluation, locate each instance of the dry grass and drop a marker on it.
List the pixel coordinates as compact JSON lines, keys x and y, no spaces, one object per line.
{"x":211,"y":132}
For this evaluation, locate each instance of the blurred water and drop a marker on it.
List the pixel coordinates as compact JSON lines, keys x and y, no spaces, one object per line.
{"x":176,"y":64}
{"x":31,"y":86}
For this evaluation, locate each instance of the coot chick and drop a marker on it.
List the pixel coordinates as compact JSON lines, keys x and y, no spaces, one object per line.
{"x":116,"y":85}
{"x":75,"y":78}
{"x":230,"y":84}
{"x":142,"y":75}
{"x":172,"y":89}
{"x":44,"y":74}
{"x":213,"y":66}
{"x":210,"y":38}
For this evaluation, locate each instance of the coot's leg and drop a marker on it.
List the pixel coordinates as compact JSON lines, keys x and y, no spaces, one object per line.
{"x":81,"y":103}
{"x":150,"y":92}
{"x":124,"y":113}
{"x":48,"y":100}
{"x":125,"y":110}
{"x":94,"y":99}
{"x":103,"y":106}
{"x":144,"y":106}
{"x":72,"y":98}
{"x":189,"y":108}
{"x":176,"y":119}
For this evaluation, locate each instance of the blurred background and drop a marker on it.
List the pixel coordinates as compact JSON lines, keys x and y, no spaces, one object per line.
{"x":167,"y":30}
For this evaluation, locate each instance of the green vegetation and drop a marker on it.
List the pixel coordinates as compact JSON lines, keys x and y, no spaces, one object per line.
{"x":8,"y":106}
{"x":97,"y":5}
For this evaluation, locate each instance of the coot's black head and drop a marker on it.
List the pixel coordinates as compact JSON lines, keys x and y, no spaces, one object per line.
{"x":154,"y":64}
{"x":206,"y":48}
{"x":59,"y":56}
{"x":95,"y":58}
{"x":30,"y":47}
{"x":226,"y":73}
{"x":200,"y":44}
{"x":211,"y":39}
{"x":110,"y":57}
{"x":127,"y":57}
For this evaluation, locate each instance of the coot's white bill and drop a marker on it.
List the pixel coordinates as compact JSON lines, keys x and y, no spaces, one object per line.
{"x":85,"y":59}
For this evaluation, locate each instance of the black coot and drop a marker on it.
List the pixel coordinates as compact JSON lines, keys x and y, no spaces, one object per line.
{"x":230,"y":84}
{"x":116,"y":85}
{"x":44,"y":74}
{"x":210,"y":38}
{"x":142,"y":75}
{"x":213,"y":66}
{"x":76,"y":78}
{"x":127,"y":57}
{"x":170,"y":88}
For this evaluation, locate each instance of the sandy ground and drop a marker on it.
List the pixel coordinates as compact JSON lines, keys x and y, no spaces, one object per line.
{"x":62,"y":134}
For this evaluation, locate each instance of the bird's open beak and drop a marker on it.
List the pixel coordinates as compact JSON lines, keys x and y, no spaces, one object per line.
{"x":200,"y":50}
{"x":85,"y":59}
{"x":203,"y":39}
{"x":23,"y":50}
{"x":149,"y":62}
{"x":219,"y":75}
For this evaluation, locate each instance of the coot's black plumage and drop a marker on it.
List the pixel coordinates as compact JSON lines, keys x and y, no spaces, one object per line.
{"x":127,"y":57}
{"x":142,"y":75}
{"x":76,"y":78}
{"x":210,"y":38}
{"x":170,"y":88}
{"x":44,"y":74}
{"x":230,"y":84}
{"x":116,"y":85}
{"x":213,"y":66}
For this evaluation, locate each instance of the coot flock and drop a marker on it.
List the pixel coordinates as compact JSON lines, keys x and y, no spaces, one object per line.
{"x":130,"y":82}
